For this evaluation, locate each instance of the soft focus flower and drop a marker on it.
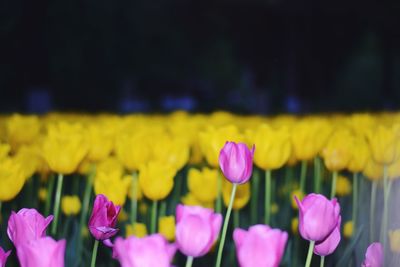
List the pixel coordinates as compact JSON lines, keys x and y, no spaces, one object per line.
{"x":294,"y":225}
{"x":156,"y":180}
{"x":394,"y":168}
{"x":348,"y":229}
{"x":70,"y":205}
{"x":372,"y":170}
{"x":343,"y":186}
{"x":148,"y":251}
{"x":260,"y":246}
{"x":4,"y":151}
{"x":296,"y":193}
{"x":273,"y":146}
{"x":170,"y":150}
{"x":42,"y":252}
{"x":318,"y":217}
{"x":22,"y":129}
{"x":166,"y":227}
{"x":203,"y":184}
{"x":383,"y":143}
{"x":337,"y":152}
{"x":373,"y":256}
{"x":394,"y":239}
{"x":11,"y":179}
{"x":110,"y":164}
{"x":29,"y":160}
{"x":100,"y":139}
{"x":3,"y":257}
{"x":103,"y":219}
{"x":242,"y":195}
{"x":42,"y":194}
{"x":190,"y":200}
{"x":328,"y":246}
{"x":196,"y":229}
{"x":136,"y":229}
{"x":112,"y":185}
{"x":236,"y":162}
{"x":27,"y":225}
{"x":359,"y":154}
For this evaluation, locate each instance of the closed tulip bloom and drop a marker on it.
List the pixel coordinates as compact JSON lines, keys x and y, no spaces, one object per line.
{"x":166,"y":227}
{"x":27,"y":225}
{"x":203,"y":184}
{"x":337,"y":152}
{"x":260,"y":246}
{"x":100,"y":138}
{"x":3,"y":257}
{"x":17,"y":132}
{"x":360,"y":154}
{"x":43,"y":252}
{"x":148,"y":251}
{"x":373,"y":256}
{"x":372,"y":170}
{"x":103,"y":219}
{"x":11,"y":179}
{"x":318,"y":217}
{"x":236,"y":162}
{"x":171,"y":150}
{"x":70,"y":205}
{"x":196,"y":230}
{"x":383,"y":143}
{"x":329,"y":245}
{"x":113,"y":185}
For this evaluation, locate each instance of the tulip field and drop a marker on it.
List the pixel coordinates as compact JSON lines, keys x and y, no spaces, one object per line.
{"x":217,"y":189}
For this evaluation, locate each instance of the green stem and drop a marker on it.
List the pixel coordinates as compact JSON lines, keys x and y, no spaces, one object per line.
{"x":133,"y":198}
{"x":334,"y":180}
{"x":236,"y":219}
{"x":189,"y":261}
{"x":94,"y":253}
{"x":387,"y":184}
{"x":163,"y":208}
{"x":317,"y":175}
{"x":86,"y":198}
{"x":1,"y":217}
{"x":57,"y":204}
{"x":50,"y":189}
{"x":218,"y":204}
{"x":154,"y":217}
{"x":355,"y":201}
{"x":372,"y":211}
{"x":303,"y":173}
{"x":267,"y":196}
{"x":225,"y":227}
{"x":322,"y":262}
{"x":310,"y":253}
{"x":255,"y":183}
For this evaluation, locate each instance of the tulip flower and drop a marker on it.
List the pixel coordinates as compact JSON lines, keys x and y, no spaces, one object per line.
{"x":70,"y":205}
{"x":42,"y":252}
{"x":113,"y":185}
{"x":259,"y":246}
{"x":196,"y":230}
{"x":3,"y":257}
{"x":148,"y":251}
{"x":203,"y":184}
{"x":328,"y":246}
{"x":373,"y":256}
{"x":11,"y":179}
{"x":166,"y":227}
{"x":27,"y":225}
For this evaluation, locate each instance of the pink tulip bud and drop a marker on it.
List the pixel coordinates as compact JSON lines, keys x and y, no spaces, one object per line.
{"x":329,"y":245}
{"x":196,"y":230}
{"x":42,"y":252}
{"x":373,"y":256}
{"x":148,"y":251}
{"x":27,"y":225}
{"x":236,"y":162}
{"x":318,"y":217}
{"x":260,"y":246}
{"x":103,"y":220}
{"x":3,"y":257}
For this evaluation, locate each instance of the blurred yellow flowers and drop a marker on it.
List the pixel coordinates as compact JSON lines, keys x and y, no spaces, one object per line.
{"x":242,"y":196}
{"x":203,"y":184}
{"x":70,"y":205}
{"x":166,"y":227}
{"x":394,"y":239}
{"x":11,"y":179}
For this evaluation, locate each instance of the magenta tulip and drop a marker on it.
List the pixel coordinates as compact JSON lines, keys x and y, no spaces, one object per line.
{"x":318,"y":217}
{"x":236,"y":162}
{"x":3,"y":257}
{"x":373,"y":256}
{"x":27,"y":225}
{"x":260,"y":246}
{"x":196,"y":230}
{"x":148,"y":251}
{"x":42,"y":252}
{"x":103,"y":220}
{"x":329,"y":245}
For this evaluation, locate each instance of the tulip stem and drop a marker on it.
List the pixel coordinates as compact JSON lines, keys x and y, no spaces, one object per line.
{"x":386,"y":194}
{"x":372,"y":211}
{"x":255,"y":181}
{"x":317,"y":175}
{"x":189,"y":261}
{"x":267,"y":196}
{"x":154,"y":217}
{"x":236,"y":219}
{"x":133,"y":198}
{"x":322,"y":262}
{"x":57,"y":203}
{"x":94,"y":253}
{"x":1,"y":205}
{"x":355,"y":201}
{"x":334,"y":181}
{"x":163,"y":208}
{"x":218,"y":204}
{"x":310,"y":253}
{"x":303,"y":173}
{"x":225,"y":227}
{"x":49,"y":194}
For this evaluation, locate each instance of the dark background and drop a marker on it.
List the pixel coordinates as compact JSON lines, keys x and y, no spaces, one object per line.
{"x":264,"y":56}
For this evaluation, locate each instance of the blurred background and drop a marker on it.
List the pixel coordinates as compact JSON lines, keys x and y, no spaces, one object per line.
{"x":259,"y":56}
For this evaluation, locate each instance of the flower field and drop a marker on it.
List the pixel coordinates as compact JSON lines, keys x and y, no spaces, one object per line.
{"x":200,"y":190}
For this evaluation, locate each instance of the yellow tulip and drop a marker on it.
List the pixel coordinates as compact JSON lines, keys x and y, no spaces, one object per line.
{"x":170,"y":150}
{"x":22,"y":130}
{"x":11,"y":179}
{"x":337,"y":152}
{"x":359,"y":154}
{"x":373,"y":170}
{"x":343,"y":186}
{"x":348,"y":229}
{"x":203,"y":184}
{"x":70,"y":205}
{"x":138,"y":191}
{"x":394,"y":239}
{"x":4,"y":151}
{"x":295,"y":225}
{"x":394,"y":169}
{"x":122,"y":216}
{"x":29,"y":159}
{"x":242,"y":196}
{"x":273,"y":146}
{"x":156,"y":180}
{"x":110,"y":164}
{"x":113,"y":186}
{"x":190,"y":200}
{"x":383,"y":143}
{"x":166,"y":227}
{"x":42,"y":194}
{"x":137,"y":229}
{"x":100,"y":139}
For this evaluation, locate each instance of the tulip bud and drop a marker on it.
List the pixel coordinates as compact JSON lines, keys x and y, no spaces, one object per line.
{"x":373,"y":256}
{"x":329,"y":245}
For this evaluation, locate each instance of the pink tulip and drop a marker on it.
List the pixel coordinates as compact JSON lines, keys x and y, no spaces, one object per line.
{"x":103,"y":220}
{"x":260,"y":246}
{"x":329,"y":245}
{"x":196,"y":230}
{"x":373,"y":256}
{"x":27,"y":225}
{"x":42,"y":252}
{"x":3,"y":257}
{"x":236,"y":162}
{"x":318,"y":217}
{"x":148,"y":251}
